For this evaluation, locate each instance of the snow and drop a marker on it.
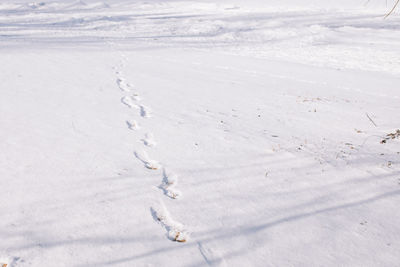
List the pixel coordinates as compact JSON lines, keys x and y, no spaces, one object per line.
{"x":248,"y":131}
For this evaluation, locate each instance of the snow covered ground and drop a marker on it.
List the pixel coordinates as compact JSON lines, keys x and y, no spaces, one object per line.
{"x":199,"y":133}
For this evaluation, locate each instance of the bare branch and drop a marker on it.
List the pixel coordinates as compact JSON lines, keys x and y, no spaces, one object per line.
{"x":370,"y":117}
{"x":391,"y":11}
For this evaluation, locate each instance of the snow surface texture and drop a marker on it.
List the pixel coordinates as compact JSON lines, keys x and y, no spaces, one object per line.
{"x":199,"y":133}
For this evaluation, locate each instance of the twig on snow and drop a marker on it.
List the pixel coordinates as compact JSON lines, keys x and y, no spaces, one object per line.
{"x":370,"y":117}
{"x":391,"y":11}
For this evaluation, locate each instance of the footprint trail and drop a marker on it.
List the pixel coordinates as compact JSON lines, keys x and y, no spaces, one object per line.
{"x":175,"y":230}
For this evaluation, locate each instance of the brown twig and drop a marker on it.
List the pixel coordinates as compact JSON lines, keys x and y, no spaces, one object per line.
{"x":370,"y":117}
{"x":391,"y":11}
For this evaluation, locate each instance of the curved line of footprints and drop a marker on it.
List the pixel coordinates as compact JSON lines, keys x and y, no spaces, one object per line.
{"x":175,"y":230}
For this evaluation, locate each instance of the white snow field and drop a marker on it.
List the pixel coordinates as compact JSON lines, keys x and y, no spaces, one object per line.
{"x":199,"y":133}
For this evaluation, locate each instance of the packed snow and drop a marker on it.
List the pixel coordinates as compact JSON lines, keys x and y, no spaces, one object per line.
{"x":199,"y":133}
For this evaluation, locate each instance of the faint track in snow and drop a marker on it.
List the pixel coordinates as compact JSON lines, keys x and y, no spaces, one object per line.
{"x":130,"y":102}
{"x":132,"y":125}
{"x":123,"y":85}
{"x":148,"y":140}
{"x":211,"y":257}
{"x":145,"y":111}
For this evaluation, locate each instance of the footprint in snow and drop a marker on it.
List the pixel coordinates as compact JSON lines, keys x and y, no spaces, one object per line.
{"x":211,"y":257}
{"x":168,"y":184}
{"x":130,"y":101}
{"x":123,"y":85}
{"x":148,"y":163}
{"x":149,"y":140}
{"x":132,"y":125}
{"x":9,"y":261}
{"x":175,"y":230}
{"x":145,"y":112}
